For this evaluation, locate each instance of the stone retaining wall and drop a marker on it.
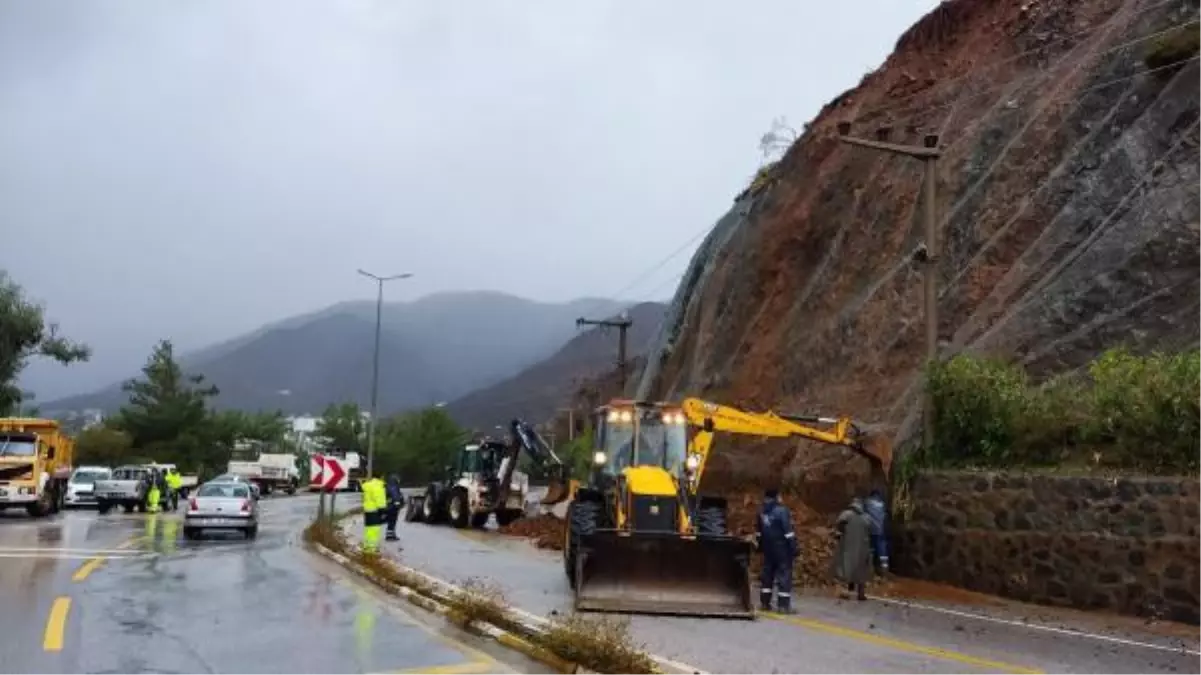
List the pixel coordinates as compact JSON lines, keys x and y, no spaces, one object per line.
{"x":1125,"y":544}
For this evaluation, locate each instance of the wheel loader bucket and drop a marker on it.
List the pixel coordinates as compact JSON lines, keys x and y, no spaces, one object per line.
{"x":664,"y":573}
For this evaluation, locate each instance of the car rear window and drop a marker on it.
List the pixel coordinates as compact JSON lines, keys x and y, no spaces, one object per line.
{"x":226,"y":490}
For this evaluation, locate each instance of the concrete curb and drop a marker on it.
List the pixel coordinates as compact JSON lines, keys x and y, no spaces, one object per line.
{"x":438,"y":606}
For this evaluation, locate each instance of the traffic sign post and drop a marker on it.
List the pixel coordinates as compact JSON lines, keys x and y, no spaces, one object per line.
{"x":331,"y":478}
{"x":316,"y":470}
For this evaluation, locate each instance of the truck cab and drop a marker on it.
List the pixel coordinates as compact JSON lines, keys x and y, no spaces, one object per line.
{"x":35,"y":463}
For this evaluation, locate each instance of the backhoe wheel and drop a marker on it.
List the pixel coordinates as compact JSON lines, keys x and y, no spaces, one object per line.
{"x":459,"y":512}
{"x":582,"y":520}
{"x":430,"y":512}
{"x":711,"y":520}
{"x":480,"y":520}
{"x":414,"y":513}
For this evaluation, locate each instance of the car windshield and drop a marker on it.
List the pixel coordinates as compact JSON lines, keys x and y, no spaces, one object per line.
{"x":18,"y":446}
{"x":88,"y":476}
{"x":227,"y":490}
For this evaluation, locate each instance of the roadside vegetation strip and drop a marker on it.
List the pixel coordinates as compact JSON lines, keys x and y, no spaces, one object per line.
{"x":567,"y":644}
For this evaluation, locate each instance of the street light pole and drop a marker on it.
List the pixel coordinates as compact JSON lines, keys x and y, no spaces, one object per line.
{"x":379,"y":314}
{"x":929,"y":153}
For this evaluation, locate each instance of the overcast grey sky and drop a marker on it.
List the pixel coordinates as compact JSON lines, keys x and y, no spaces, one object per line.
{"x":195,"y":169}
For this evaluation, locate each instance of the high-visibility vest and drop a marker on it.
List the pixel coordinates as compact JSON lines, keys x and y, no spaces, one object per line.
{"x":374,"y":495}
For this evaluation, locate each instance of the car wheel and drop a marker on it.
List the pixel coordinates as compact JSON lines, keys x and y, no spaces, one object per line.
{"x":191,"y":533}
{"x":103,"y":508}
{"x":252,"y":531}
{"x":128,"y":508}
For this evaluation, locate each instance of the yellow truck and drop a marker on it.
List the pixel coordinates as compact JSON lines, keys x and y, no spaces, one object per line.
{"x":35,"y":464}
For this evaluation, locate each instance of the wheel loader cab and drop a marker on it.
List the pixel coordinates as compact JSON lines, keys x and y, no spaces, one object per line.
{"x":630,"y":542}
{"x":640,"y":452}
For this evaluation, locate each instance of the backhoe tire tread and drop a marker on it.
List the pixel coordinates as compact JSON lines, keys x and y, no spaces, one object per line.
{"x":459,"y":510}
{"x":582,"y":519}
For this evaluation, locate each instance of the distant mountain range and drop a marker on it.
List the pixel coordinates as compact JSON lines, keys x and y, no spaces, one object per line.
{"x":433,"y":350}
{"x":535,"y":392}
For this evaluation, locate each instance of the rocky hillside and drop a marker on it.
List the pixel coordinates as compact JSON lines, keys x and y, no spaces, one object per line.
{"x":1068,"y":202}
{"x":432,"y":350}
{"x":536,"y":392}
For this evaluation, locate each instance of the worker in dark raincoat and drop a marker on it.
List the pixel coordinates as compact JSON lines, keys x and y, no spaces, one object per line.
{"x":878,"y":513}
{"x":396,"y":500}
{"x":777,"y":540}
{"x":853,"y":561}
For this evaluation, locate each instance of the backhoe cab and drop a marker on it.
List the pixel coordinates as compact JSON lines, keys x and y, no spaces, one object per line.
{"x":639,"y":538}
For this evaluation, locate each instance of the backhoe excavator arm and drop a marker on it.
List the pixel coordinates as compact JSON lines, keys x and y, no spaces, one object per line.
{"x":709,"y":418}
{"x":527,"y":439}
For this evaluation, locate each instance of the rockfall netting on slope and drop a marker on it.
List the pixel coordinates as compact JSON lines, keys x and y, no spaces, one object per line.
{"x":688,"y":294}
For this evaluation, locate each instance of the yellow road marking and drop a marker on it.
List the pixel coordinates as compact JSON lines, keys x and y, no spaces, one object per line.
{"x":465,"y":667}
{"x":56,"y":624}
{"x":131,"y":542}
{"x":86,"y":569}
{"x":904,"y":646}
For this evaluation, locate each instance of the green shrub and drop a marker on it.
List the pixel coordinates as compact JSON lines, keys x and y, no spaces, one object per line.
{"x":1131,"y":412}
{"x":977,"y":403}
{"x":1146,"y":409}
{"x":1174,"y":47}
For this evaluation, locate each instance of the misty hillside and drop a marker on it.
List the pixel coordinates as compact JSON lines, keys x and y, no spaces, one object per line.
{"x":534,"y":393}
{"x":433,"y":349}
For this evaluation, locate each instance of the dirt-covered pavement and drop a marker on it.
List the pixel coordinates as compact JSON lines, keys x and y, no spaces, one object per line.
{"x":827,"y":634}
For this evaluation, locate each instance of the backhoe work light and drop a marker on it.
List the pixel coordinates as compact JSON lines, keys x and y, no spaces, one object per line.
{"x":692,"y":462}
{"x":673,"y":418}
{"x":599,"y":458}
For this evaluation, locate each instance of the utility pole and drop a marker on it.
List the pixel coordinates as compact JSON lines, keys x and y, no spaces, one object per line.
{"x":570,"y":422}
{"x":622,"y":324}
{"x":927,"y":254}
{"x":379,"y":313}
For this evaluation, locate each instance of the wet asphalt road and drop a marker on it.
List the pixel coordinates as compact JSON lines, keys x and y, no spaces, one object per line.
{"x":827,"y":635}
{"x":127,"y":594}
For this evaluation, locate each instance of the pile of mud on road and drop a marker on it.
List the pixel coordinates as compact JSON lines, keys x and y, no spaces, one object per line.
{"x":814,"y":531}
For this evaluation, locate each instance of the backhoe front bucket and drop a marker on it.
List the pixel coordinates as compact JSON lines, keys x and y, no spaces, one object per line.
{"x":664,"y":573}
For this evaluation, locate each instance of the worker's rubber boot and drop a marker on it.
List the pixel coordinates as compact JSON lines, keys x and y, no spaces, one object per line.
{"x":862,"y":595}
{"x":765,"y":601}
{"x":784,"y":604}
{"x":390,"y":535}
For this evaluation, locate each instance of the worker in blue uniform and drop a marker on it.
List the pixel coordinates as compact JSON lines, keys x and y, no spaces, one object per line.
{"x":778,"y":543}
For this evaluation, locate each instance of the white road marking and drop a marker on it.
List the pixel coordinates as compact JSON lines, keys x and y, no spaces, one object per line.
{"x":52,"y":549}
{"x":51,"y":555}
{"x":1035,"y":626}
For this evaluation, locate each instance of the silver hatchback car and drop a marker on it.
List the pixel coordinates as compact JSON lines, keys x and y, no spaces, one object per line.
{"x":222,"y":506}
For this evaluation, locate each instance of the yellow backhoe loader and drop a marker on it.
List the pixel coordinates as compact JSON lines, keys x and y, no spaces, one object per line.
{"x":639,"y":537}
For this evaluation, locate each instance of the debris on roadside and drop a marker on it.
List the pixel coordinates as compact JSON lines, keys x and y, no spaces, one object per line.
{"x":814,"y":531}
{"x":545,"y":531}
